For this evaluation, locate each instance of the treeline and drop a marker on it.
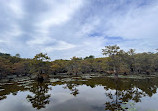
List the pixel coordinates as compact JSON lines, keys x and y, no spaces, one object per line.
{"x":116,"y":61}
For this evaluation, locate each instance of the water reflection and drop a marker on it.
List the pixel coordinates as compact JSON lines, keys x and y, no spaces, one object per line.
{"x":72,"y":87}
{"x":96,"y":94}
{"x":115,"y":99}
{"x":40,"y":98}
{"x":119,"y":99}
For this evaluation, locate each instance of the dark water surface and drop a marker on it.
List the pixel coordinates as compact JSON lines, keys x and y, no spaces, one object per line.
{"x":78,"y":94}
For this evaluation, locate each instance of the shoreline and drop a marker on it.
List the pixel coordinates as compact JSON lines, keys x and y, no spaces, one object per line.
{"x":88,"y":76}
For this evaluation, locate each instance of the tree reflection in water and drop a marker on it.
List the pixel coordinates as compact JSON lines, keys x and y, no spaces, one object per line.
{"x":125,"y":97}
{"x":73,"y":88}
{"x":119,"y":92}
{"x":114,"y":103}
{"x":40,"y":98}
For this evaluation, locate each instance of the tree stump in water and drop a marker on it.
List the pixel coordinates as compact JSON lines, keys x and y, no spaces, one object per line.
{"x":116,"y":76}
{"x":125,"y":73}
{"x":40,"y":79}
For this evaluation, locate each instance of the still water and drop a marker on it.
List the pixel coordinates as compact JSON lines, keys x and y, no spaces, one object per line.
{"x":80,"y":94}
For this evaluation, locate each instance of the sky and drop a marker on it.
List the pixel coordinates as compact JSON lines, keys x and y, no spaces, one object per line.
{"x":67,"y":28}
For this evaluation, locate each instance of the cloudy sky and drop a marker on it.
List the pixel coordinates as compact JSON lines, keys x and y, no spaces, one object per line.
{"x":67,"y":28}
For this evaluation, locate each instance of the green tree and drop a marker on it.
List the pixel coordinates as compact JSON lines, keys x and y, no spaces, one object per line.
{"x":89,"y":57}
{"x":131,"y":60}
{"x":59,"y":66}
{"x":74,"y":66}
{"x":17,"y":55}
{"x":113,"y":52}
{"x":40,"y":65}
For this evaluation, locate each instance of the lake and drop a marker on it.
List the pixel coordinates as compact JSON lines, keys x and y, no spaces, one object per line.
{"x":80,"y":94}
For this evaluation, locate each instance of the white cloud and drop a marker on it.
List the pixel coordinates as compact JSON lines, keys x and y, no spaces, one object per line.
{"x":69,"y":28}
{"x":58,"y":14}
{"x":135,"y":24}
{"x":61,"y":45}
{"x":15,"y":6}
